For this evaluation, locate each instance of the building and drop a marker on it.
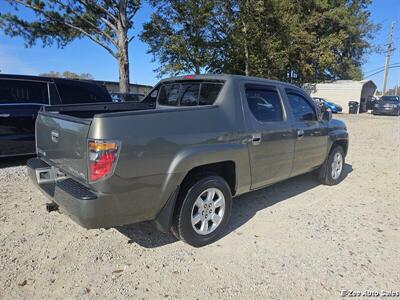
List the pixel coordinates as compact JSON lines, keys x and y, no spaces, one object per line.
{"x":113,"y":86}
{"x":343,"y":91}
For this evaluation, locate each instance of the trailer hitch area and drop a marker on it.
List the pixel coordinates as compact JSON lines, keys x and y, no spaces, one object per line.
{"x":49,"y":175}
{"x":51,"y":207}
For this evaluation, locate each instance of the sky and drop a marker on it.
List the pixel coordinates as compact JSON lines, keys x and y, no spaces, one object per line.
{"x":84,"y":56}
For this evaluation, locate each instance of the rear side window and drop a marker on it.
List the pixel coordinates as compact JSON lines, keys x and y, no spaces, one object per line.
{"x":19,"y":91}
{"x":302,"y":109}
{"x":79,"y":92}
{"x":189,"y":94}
{"x":264,"y":103}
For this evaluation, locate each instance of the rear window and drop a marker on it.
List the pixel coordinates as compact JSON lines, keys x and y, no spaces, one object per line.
{"x":19,"y":91}
{"x":169,"y":95}
{"x":189,"y":94}
{"x":73,"y":92}
{"x":390,"y":98}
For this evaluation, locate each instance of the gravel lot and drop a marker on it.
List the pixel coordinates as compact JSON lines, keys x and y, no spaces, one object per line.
{"x":296,"y":239}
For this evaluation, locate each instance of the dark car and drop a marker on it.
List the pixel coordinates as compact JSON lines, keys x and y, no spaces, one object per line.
{"x":387,"y":105}
{"x":21,"y":97}
{"x":120,"y":97}
{"x":325,"y":104}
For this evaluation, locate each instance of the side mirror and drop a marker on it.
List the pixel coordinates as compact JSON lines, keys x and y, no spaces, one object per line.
{"x":327,"y":115}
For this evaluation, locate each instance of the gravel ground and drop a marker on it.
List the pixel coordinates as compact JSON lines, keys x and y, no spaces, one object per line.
{"x":296,"y":239}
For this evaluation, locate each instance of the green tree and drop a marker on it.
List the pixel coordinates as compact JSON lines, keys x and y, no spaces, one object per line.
{"x":105,"y":22}
{"x":178,"y":35}
{"x":294,"y":41}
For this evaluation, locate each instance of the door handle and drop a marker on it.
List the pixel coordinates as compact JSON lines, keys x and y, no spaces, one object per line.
{"x":256,"y":139}
{"x":4,"y":115}
{"x":300,"y":134}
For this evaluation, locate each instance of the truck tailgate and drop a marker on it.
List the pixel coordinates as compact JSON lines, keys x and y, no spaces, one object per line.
{"x":61,"y":141}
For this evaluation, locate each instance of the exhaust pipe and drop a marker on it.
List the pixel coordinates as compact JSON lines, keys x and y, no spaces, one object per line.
{"x":51,"y":207}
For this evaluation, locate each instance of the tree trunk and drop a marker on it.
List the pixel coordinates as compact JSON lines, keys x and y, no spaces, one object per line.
{"x":123,"y":63}
{"x":123,"y":57}
{"x":246,"y":50}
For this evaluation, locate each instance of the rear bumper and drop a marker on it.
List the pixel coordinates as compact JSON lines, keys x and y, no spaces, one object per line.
{"x":88,"y":208}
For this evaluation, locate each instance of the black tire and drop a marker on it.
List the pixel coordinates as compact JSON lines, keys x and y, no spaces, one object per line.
{"x":182,"y":227}
{"x":324,"y":173}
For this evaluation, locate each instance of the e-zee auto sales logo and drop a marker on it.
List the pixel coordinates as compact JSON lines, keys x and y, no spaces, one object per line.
{"x":369,"y":293}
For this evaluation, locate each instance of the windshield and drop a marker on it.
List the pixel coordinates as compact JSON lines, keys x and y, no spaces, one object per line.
{"x":391,"y":98}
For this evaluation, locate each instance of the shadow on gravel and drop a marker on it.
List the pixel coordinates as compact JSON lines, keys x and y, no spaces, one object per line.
{"x":244,"y":208}
{"x":146,"y":235}
{"x":7,"y":162}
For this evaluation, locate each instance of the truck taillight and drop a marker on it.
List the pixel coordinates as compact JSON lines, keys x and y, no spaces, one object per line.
{"x":102,"y":158}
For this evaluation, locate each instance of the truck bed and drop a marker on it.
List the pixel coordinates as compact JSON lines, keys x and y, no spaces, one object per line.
{"x":88,"y":111}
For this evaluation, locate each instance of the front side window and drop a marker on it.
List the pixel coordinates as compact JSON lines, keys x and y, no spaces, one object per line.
{"x":19,"y":91}
{"x":264,"y":103}
{"x":302,"y":109}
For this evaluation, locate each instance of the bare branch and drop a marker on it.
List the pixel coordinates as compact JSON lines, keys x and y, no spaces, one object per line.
{"x":101,"y":8}
{"x":94,"y":26}
{"x":90,"y":36}
{"x":109,"y":24}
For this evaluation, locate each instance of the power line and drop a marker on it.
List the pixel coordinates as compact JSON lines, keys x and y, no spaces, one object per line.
{"x":382,"y":70}
{"x":393,"y":64}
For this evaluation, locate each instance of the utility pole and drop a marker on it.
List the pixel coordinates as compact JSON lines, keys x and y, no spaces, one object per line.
{"x":387,"y":63}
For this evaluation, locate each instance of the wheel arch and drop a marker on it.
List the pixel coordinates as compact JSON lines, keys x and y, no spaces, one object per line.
{"x":339,"y":137}
{"x":225,"y":160}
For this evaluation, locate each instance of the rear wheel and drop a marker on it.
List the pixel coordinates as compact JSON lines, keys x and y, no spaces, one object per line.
{"x":204,"y":212}
{"x":331,"y":172}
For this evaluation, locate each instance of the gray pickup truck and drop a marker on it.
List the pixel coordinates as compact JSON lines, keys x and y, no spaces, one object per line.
{"x":180,"y":155}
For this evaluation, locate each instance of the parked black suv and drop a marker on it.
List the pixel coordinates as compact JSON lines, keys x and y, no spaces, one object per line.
{"x":21,"y":98}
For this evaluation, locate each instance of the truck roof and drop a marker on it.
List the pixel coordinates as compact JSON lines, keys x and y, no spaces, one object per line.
{"x":225,"y":77}
{"x":44,"y":78}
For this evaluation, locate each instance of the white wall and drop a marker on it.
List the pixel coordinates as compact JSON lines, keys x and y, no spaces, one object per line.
{"x":339,"y":92}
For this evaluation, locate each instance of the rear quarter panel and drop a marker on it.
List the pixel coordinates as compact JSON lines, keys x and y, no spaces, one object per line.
{"x":160,"y":147}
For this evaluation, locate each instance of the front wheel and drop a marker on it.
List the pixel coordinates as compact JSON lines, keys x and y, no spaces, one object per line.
{"x":204,"y":212}
{"x":331,"y":172}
